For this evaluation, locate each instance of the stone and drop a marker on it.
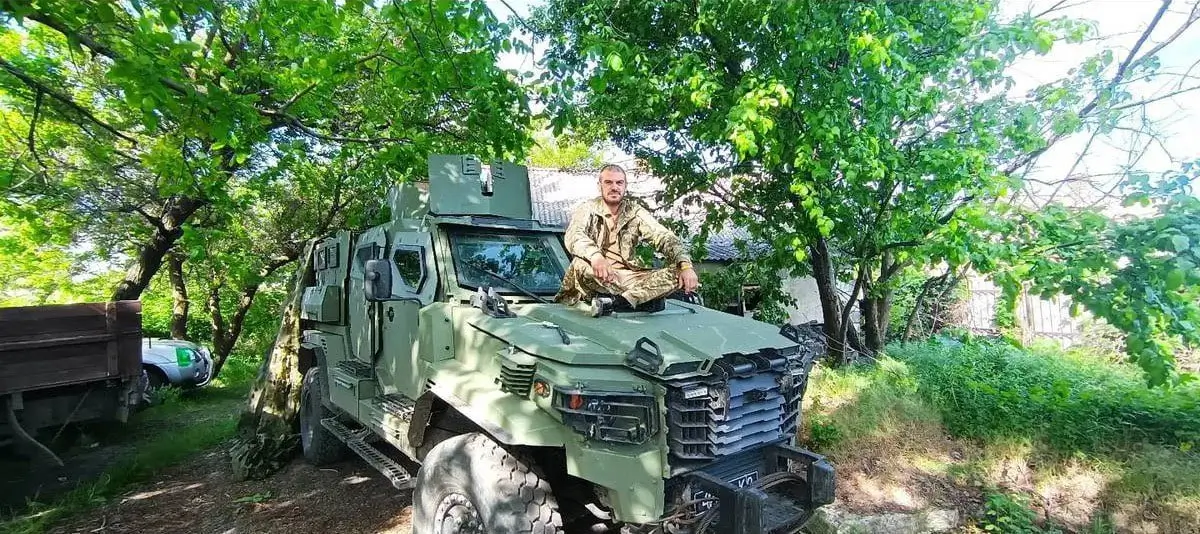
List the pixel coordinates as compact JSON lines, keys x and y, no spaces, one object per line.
{"x":834,"y":520}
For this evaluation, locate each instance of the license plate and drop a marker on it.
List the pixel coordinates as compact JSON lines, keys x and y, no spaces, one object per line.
{"x":740,"y":481}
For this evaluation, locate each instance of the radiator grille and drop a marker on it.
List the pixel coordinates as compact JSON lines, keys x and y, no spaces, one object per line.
{"x":516,"y":377}
{"x":747,"y":401}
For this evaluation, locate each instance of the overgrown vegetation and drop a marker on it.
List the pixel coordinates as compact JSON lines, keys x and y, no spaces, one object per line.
{"x":1075,"y":438}
{"x":166,"y":434}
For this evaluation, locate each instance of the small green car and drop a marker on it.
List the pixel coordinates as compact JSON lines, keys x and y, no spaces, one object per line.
{"x":432,"y":339}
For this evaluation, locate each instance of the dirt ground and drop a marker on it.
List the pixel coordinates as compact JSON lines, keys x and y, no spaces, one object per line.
{"x":200,"y":496}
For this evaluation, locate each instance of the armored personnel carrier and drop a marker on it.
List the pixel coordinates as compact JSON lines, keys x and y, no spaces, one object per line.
{"x":432,"y":340}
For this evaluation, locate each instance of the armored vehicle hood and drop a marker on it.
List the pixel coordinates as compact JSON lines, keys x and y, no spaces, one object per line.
{"x":686,"y":338}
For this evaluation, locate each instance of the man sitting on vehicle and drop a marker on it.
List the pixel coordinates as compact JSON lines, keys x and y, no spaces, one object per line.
{"x":601,"y":238}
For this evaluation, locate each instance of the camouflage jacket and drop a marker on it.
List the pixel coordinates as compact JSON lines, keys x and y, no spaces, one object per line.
{"x":588,"y":231}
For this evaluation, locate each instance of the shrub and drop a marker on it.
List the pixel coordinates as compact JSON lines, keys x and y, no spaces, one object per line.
{"x":1010,"y":514}
{"x":987,"y":389}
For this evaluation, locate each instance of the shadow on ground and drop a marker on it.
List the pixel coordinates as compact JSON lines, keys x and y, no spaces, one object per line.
{"x":201,"y":496}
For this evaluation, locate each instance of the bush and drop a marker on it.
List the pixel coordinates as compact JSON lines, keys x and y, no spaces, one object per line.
{"x":987,"y":389}
{"x":1009,"y":514}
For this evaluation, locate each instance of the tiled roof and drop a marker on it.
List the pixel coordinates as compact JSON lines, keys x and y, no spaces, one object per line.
{"x":556,"y":193}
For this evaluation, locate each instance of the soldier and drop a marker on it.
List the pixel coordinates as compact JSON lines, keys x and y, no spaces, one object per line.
{"x":601,"y":238}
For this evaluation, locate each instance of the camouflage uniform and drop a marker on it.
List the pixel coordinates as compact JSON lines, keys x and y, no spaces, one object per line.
{"x":593,"y":230}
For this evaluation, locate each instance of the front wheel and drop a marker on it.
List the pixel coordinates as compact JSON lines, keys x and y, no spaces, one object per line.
{"x":470,"y":484}
{"x":319,"y":445}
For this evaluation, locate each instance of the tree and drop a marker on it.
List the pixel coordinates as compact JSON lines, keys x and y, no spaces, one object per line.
{"x":1138,"y":273}
{"x":143,"y":117}
{"x":842,"y":135}
{"x":804,"y":142}
{"x":164,"y":126}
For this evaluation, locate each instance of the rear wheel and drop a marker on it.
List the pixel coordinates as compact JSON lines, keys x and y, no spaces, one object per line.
{"x":319,"y":445}
{"x":470,"y":484}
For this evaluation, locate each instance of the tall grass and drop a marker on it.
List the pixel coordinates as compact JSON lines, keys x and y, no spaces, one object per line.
{"x":1023,"y":422}
{"x":993,"y":390}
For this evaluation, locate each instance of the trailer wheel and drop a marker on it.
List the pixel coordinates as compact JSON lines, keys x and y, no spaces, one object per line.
{"x":320,"y":446}
{"x":470,"y":484}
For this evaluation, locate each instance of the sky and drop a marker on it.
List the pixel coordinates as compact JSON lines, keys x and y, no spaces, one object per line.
{"x":1121,"y":21}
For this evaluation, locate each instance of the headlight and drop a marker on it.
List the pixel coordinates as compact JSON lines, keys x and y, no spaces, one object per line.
{"x":609,"y":416}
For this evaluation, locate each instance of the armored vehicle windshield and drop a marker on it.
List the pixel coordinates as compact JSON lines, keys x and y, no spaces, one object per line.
{"x":527,"y":259}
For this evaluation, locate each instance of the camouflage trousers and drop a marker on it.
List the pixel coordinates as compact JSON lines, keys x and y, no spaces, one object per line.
{"x":637,"y":286}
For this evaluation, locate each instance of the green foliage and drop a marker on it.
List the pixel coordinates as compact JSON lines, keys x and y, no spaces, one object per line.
{"x":991,"y":390}
{"x":1010,"y":514}
{"x":823,"y":434}
{"x":576,"y":149}
{"x":849,"y":143}
{"x":1138,"y":274}
{"x":229,"y":132}
{"x":722,"y":287}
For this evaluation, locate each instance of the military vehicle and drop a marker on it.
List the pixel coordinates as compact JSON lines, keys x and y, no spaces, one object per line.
{"x":432,"y":339}
{"x":67,"y":363}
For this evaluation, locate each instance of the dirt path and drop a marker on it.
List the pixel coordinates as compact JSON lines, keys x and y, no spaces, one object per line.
{"x":201,"y":497}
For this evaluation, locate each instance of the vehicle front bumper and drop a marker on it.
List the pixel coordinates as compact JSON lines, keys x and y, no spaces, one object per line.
{"x":775,"y":503}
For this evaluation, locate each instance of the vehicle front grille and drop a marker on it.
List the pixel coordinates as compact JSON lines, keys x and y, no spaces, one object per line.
{"x":516,"y":373}
{"x":747,"y":401}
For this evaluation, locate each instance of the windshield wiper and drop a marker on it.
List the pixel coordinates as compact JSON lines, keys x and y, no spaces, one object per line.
{"x":512,"y":284}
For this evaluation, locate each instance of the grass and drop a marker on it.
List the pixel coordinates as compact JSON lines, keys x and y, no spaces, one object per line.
{"x":165,"y":435}
{"x":982,"y":425}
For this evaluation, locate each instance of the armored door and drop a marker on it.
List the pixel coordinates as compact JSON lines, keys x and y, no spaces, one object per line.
{"x":365,"y":314}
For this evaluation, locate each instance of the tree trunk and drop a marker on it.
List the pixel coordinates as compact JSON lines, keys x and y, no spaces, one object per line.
{"x":831,"y":308}
{"x":268,"y":428}
{"x":910,"y":324}
{"x":180,"y":304}
{"x":937,"y":313}
{"x":874,"y":327}
{"x":216,"y":322}
{"x":167,"y":231}
{"x":225,"y":336}
{"x":149,"y":261}
{"x":841,"y":337}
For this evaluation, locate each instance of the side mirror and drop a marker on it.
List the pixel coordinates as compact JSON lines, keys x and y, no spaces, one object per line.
{"x":378,"y":275}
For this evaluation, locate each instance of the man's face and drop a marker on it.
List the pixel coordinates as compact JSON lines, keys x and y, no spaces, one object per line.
{"x":612,"y":186}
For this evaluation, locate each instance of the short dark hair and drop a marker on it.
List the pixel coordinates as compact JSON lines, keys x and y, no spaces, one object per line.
{"x":612,"y":167}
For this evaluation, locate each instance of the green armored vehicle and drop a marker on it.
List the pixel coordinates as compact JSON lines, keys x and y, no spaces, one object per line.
{"x":432,"y":339}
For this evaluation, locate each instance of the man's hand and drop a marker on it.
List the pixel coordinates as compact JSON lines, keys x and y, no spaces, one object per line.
{"x":688,"y":280}
{"x":603,"y":269}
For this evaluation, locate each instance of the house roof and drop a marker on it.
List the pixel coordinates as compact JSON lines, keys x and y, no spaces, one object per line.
{"x":555,"y":193}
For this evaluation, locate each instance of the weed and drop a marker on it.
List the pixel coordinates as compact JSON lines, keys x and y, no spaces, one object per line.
{"x":1010,"y":514}
{"x":165,"y":395}
{"x":239,"y":369}
{"x":992,"y":390}
{"x":822,"y":433}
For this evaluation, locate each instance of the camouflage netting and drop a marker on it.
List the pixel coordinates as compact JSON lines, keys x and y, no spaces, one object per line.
{"x":268,"y":436}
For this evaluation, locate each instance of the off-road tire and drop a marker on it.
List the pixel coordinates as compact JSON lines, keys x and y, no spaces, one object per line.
{"x":320,"y":447}
{"x":507,"y":492}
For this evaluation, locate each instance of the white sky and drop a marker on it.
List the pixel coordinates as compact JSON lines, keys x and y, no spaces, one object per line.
{"x":1177,"y":118}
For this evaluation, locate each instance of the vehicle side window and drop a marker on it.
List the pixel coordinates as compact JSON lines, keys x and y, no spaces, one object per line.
{"x":411,"y":266}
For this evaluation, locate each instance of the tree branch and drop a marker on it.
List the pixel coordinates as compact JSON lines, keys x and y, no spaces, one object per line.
{"x":31,"y":138}
{"x":84,"y":39}
{"x":65,"y":100}
{"x":292,"y":120}
{"x":1129,"y":59}
{"x":1155,"y":99}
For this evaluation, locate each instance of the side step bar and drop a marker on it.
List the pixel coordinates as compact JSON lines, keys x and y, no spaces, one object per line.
{"x":357,"y":442}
